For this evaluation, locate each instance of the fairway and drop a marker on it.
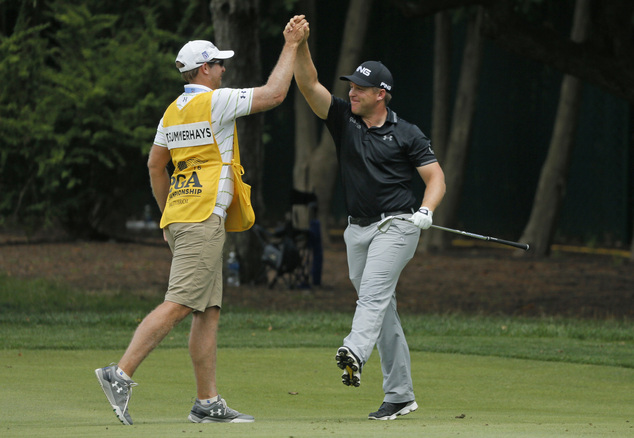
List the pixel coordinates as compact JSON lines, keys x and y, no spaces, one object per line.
{"x":297,"y":392}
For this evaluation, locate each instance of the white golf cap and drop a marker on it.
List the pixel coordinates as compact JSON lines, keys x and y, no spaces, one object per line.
{"x":195,"y":53}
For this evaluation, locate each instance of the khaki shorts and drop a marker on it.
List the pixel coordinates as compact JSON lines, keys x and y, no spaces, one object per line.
{"x":196,"y":273}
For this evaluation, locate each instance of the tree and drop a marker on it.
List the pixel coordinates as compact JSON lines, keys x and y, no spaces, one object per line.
{"x":441,"y":98}
{"x":322,"y":165}
{"x":525,"y":27}
{"x":460,"y":133}
{"x":442,"y":85}
{"x":236,"y":26}
{"x":605,"y":59}
{"x":551,"y":188}
{"x":632,"y":247}
{"x":68,"y":139}
{"x":305,"y":120}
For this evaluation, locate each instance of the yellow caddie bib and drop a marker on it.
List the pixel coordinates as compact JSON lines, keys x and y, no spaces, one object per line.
{"x":197,"y":167}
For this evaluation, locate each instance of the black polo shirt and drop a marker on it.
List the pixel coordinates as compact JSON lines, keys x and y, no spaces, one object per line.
{"x":377,"y":164}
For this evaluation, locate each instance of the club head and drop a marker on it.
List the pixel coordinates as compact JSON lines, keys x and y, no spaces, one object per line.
{"x":385,"y":224}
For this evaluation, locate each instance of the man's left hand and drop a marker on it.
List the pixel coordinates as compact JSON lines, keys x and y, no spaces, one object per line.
{"x":422,"y":218}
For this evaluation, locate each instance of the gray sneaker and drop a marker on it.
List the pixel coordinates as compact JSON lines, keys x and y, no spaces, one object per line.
{"x":117,"y":392}
{"x":217,"y":412}
{"x":351,"y":366}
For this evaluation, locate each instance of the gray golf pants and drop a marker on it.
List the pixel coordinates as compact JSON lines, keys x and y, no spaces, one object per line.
{"x":375,"y":262}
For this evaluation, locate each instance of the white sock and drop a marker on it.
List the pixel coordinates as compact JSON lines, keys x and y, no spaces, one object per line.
{"x":122,"y":374}
{"x":207,"y":401}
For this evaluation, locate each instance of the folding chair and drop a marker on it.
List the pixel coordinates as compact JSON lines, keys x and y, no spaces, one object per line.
{"x":292,"y":252}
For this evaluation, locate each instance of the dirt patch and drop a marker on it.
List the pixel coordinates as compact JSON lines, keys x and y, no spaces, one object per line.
{"x":467,"y":280}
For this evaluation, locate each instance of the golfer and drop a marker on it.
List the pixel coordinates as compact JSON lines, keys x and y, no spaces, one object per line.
{"x":379,"y":153}
{"x":202,"y":199}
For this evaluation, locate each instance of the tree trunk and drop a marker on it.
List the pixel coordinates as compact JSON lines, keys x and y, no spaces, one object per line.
{"x":322,"y":168}
{"x":305,"y":120}
{"x":442,"y":91}
{"x":236,"y":27}
{"x":551,"y":188}
{"x":305,"y":142}
{"x":632,"y":246}
{"x":442,"y":85}
{"x":460,"y":135}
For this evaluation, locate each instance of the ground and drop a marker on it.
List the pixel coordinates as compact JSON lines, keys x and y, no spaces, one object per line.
{"x":472,"y":280}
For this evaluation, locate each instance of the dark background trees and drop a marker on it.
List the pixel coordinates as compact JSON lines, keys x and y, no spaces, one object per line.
{"x":85,"y":83}
{"x":536,"y":30}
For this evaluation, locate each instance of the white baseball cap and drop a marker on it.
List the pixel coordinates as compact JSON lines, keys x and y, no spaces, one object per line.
{"x":195,"y":53}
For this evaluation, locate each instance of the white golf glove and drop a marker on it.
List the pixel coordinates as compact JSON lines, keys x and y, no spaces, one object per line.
{"x":422,"y":218}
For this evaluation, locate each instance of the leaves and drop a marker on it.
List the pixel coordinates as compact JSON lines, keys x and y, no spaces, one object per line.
{"x":78,"y":113}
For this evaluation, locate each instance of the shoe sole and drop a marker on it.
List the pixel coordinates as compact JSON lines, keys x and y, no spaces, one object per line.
{"x":195,"y":419}
{"x":347,"y":362}
{"x":106,"y":390}
{"x":406,"y":410}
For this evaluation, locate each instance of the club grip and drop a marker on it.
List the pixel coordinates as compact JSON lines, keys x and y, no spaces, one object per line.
{"x":523,"y":246}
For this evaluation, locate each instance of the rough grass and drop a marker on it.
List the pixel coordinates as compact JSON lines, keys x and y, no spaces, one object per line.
{"x":37,"y":314}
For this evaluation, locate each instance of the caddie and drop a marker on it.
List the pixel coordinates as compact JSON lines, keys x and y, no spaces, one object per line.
{"x":200,"y":201}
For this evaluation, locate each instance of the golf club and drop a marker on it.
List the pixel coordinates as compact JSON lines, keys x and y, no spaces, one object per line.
{"x":388,"y":220}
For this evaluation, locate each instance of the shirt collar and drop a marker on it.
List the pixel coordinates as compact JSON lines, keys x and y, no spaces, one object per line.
{"x":196,"y":88}
{"x":391,"y":116}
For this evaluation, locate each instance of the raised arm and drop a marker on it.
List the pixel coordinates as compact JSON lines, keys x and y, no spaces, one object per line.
{"x":317,"y":96}
{"x":276,"y":88}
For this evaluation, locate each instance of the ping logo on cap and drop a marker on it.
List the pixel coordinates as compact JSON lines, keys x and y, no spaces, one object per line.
{"x":371,"y":74}
{"x":364,"y":70}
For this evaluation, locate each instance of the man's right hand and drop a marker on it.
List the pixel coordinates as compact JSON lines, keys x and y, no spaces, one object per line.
{"x":296,"y":30}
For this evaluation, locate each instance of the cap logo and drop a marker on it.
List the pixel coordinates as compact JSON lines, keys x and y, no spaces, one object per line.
{"x":364,"y":70}
{"x":205,"y":55}
{"x":386,"y":86}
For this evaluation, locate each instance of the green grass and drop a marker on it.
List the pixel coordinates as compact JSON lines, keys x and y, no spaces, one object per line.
{"x":546,"y":339}
{"x":52,"y":393}
{"x":36,"y":314}
{"x":510,"y":377}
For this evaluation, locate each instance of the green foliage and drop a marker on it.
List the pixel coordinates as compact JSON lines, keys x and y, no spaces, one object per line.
{"x":526,"y":6}
{"x":271,"y":11}
{"x":78,"y":113}
{"x":542,"y":12}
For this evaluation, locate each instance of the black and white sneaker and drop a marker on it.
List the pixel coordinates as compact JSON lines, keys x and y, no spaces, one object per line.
{"x":389,"y":411}
{"x":217,"y":412}
{"x":351,"y":366}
